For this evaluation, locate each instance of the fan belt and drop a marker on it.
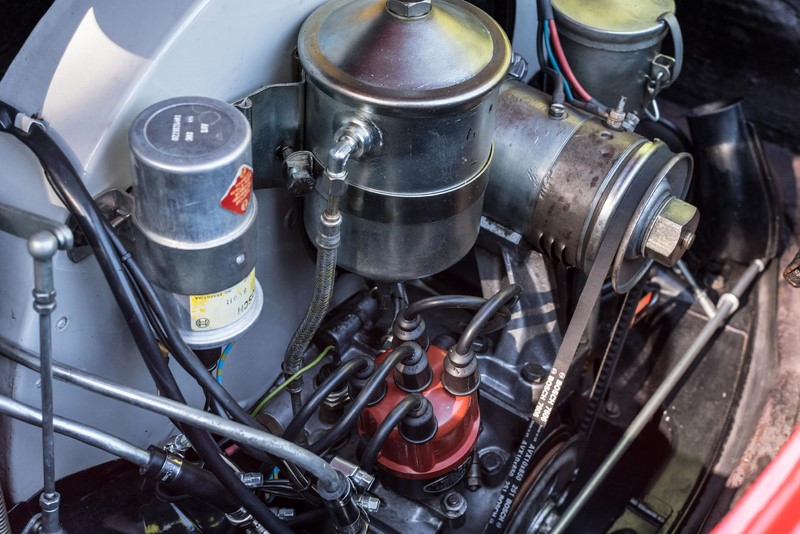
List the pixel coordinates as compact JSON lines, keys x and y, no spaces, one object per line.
{"x":534,"y":434}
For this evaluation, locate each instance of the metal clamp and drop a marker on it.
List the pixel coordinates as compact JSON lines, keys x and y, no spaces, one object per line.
{"x":664,"y":70}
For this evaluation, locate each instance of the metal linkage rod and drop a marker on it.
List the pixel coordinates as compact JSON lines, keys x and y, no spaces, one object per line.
{"x":728,"y":304}
{"x":42,"y":246}
{"x":78,"y":431}
{"x":329,"y":479}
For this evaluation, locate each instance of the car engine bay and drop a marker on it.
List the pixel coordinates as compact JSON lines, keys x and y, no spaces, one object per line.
{"x":384,"y":266}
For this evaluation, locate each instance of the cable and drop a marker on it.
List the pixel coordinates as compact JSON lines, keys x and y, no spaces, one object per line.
{"x":177,"y":346}
{"x":487,"y":311}
{"x":401,"y":409}
{"x":331,"y":384}
{"x":63,"y":177}
{"x":373,"y":386}
{"x":464,"y":302}
{"x":554,"y":63}
{"x":221,"y":361}
{"x":562,"y":59}
{"x":263,"y":402}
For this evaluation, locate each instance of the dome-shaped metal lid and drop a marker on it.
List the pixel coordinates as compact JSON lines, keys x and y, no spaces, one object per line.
{"x":447,"y":57}
{"x":615,"y":17}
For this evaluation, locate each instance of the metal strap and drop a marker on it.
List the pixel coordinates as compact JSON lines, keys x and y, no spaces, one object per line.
{"x":566,"y":354}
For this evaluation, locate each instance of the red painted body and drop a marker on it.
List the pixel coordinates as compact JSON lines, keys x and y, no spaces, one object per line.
{"x":772,"y":504}
{"x":459,"y":424}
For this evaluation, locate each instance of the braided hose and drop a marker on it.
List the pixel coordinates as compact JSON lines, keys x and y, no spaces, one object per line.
{"x":320,"y":301}
{"x":5,"y":528}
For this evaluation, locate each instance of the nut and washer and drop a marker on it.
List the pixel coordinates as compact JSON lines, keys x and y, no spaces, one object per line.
{"x":672,"y":232}
{"x":409,"y":9}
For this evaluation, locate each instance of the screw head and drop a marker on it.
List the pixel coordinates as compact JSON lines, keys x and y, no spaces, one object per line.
{"x":533,"y":372}
{"x":491,"y":462}
{"x":409,"y":8}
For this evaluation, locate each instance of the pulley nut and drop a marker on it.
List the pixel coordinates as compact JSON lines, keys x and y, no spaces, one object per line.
{"x":672,"y":232}
{"x":409,"y":8}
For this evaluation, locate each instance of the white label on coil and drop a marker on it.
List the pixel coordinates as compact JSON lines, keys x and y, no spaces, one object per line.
{"x":224,"y":307}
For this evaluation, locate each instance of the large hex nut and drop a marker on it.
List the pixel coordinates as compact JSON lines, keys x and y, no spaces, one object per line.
{"x":409,"y":8}
{"x":672,"y":232}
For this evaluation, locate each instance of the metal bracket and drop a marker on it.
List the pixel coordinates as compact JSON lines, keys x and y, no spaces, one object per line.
{"x":660,"y":76}
{"x":301,"y":171}
{"x":117,"y":207}
{"x":275,"y":114}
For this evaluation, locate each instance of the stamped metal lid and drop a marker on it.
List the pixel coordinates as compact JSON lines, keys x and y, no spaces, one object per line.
{"x":614,"y":19}
{"x":359,"y":50}
{"x":189,"y":134}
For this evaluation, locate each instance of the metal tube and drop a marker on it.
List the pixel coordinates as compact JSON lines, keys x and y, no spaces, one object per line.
{"x":78,"y":431}
{"x":319,"y":468}
{"x":700,"y":295}
{"x":42,"y":246}
{"x":728,"y":304}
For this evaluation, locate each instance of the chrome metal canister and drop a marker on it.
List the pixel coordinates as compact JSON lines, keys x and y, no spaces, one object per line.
{"x":613,"y":47}
{"x":426,"y":75}
{"x":194,"y":216}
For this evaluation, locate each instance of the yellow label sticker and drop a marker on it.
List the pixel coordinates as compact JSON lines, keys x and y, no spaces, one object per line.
{"x":223,"y":308}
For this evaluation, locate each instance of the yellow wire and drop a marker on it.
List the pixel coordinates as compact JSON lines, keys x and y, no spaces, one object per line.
{"x":291,"y":379}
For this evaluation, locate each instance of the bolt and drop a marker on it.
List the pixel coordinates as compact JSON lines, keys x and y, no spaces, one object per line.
{"x":557,"y":111}
{"x":533,"y":372}
{"x":616,"y":117}
{"x":671,"y":232}
{"x":409,"y":8}
{"x":491,"y":462}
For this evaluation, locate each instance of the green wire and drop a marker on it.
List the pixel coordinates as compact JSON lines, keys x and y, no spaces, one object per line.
{"x":291,"y":379}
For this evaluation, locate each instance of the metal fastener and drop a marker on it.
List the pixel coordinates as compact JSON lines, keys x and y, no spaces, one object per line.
{"x":672,"y":232}
{"x":533,"y":372}
{"x":408,"y":8}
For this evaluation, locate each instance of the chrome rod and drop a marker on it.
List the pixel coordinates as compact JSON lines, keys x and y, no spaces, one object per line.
{"x":78,"y":431}
{"x":328,"y":477}
{"x":42,"y":246}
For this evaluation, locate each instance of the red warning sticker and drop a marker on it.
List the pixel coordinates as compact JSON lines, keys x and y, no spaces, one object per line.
{"x":237,"y":197}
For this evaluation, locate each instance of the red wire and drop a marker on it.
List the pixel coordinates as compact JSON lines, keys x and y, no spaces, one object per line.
{"x":562,"y":59}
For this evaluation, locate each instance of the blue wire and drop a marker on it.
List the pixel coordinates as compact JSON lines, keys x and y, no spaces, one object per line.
{"x":221,"y":361}
{"x":552,"y":59}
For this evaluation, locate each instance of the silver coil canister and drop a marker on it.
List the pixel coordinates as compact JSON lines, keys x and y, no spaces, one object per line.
{"x":194,"y":216}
